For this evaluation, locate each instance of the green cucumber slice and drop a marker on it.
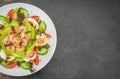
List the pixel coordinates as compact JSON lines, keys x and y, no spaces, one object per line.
{"x":42,"y":26}
{"x":24,"y":11}
{"x":47,"y":46}
{"x":43,"y":51}
{"x":25,"y":65}
{"x":4,"y":63}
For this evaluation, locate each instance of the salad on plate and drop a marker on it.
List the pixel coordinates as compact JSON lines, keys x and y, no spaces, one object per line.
{"x":23,"y":39}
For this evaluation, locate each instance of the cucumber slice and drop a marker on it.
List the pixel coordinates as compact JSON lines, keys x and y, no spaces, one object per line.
{"x":42,"y":26}
{"x":25,"y":65}
{"x":24,"y":11}
{"x":4,"y":63}
{"x":43,"y":51}
{"x":47,"y":46}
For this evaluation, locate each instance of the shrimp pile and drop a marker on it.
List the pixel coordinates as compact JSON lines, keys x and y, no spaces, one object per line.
{"x":17,"y":39}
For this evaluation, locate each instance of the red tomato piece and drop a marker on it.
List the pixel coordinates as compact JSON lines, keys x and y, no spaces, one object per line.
{"x":35,"y":17}
{"x":12,"y":65}
{"x":48,"y":35}
{"x":36,"y":61}
{"x":31,"y":23}
{"x":35,"y":48}
{"x":10,"y":14}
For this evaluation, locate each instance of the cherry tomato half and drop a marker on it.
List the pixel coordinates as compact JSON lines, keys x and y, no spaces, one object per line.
{"x":35,"y":48}
{"x":12,"y":65}
{"x":36,"y":61}
{"x":48,"y":35}
{"x":31,"y":23}
{"x":35,"y":17}
{"x":10,"y":14}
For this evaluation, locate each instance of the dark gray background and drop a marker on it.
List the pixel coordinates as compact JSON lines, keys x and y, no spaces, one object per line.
{"x":88,"y":44}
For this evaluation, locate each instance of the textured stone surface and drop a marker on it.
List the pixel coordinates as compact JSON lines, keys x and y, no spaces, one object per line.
{"x":88,"y":44}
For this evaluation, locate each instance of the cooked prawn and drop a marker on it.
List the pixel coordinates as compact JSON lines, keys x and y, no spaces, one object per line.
{"x":11,"y":48}
{"x":6,"y":40}
{"x":16,"y":40}
{"x":20,"y":48}
{"x":27,"y":37}
{"x":22,"y":28}
{"x":11,"y":37}
{"x":24,"y":42}
{"x":17,"y":30}
{"x":22,"y":34}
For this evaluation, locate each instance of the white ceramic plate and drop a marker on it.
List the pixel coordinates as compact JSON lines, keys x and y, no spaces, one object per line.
{"x":33,"y":10}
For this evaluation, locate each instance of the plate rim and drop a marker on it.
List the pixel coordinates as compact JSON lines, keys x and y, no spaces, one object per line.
{"x":55,"y":32}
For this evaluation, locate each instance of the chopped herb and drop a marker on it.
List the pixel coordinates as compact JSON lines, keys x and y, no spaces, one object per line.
{"x":28,"y":32}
